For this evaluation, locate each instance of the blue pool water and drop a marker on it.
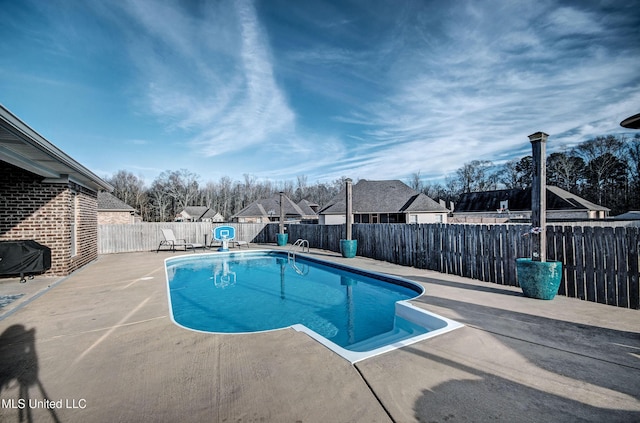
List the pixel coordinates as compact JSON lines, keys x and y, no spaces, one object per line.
{"x":259,"y":291}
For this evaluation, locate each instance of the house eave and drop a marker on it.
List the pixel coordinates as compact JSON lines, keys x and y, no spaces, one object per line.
{"x":23,"y":147}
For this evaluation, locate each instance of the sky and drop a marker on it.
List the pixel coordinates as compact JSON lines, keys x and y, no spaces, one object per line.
{"x":279,"y":89}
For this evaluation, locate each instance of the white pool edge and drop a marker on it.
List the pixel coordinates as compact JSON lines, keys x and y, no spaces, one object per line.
{"x":404,"y":309}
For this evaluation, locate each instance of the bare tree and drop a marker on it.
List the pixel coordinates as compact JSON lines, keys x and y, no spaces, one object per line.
{"x":476,"y":176}
{"x":415,"y":181}
{"x":565,"y":171}
{"x":159,"y":201}
{"x":301,"y":187}
{"x":130,"y":189}
{"x":172,"y":191}
{"x":603,"y":157}
{"x":633,"y":155}
{"x":516,"y":173}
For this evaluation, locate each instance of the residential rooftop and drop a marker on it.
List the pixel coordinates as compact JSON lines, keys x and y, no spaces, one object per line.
{"x":388,"y":196}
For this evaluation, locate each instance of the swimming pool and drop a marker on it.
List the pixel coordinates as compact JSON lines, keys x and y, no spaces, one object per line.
{"x":355,"y":313}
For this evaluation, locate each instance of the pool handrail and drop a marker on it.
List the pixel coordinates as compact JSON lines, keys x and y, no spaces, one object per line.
{"x":291,"y":255}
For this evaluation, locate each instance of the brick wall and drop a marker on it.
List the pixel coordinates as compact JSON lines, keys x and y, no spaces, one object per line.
{"x":44,"y":212}
{"x":87,"y":227}
{"x":115,"y":217}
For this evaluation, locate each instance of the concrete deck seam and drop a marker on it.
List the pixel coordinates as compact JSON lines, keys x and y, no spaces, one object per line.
{"x":364,"y":379}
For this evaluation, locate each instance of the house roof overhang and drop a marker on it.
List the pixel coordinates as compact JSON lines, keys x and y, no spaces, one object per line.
{"x":632,"y":122}
{"x":23,"y":147}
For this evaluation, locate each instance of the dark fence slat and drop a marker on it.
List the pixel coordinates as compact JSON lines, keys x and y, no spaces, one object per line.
{"x":589,"y":264}
{"x":621,"y":267}
{"x":569,"y":261}
{"x":633,"y":254}
{"x":581,"y":291}
{"x":610,"y":266}
{"x":599,"y":255}
{"x":555,"y":251}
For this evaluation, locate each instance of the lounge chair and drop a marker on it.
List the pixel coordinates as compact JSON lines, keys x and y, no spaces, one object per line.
{"x":171,"y":241}
{"x":239,"y":244}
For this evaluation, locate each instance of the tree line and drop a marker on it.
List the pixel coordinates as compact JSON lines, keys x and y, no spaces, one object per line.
{"x":173,"y":190}
{"x":604,"y":170}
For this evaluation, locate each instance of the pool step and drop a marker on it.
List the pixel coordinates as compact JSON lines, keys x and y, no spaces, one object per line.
{"x":402,"y":329}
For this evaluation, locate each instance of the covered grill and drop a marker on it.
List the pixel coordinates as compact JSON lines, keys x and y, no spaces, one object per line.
{"x":25,"y":257}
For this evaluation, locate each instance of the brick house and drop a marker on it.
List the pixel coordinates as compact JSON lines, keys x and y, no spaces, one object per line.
{"x":47,"y":196}
{"x":199,"y":214}
{"x":113,"y":211}
{"x":501,"y":206}
{"x":268,"y":210}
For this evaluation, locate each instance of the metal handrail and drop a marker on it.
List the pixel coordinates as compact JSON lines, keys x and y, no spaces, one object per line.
{"x":291,"y":254}
{"x":301,"y":243}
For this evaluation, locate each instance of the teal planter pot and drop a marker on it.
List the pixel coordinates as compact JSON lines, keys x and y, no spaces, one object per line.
{"x":282,"y":239}
{"x":538,"y":279}
{"x":348,"y":247}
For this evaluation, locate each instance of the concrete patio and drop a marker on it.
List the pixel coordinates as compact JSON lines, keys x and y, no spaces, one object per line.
{"x":100,"y":344}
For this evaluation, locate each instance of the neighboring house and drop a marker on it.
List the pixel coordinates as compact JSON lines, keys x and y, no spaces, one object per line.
{"x":47,"y":196}
{"x":309,"y":210}
{"x":268,"y":210}
{"x":113,"y":211}
{"x":199,"y":214}
{"x":507,"y":204}
{"x":308,"y":207}
{"x":384,"y":202}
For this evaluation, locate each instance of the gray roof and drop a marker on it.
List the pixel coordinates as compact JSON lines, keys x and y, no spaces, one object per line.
{"x":25,"y":148}
{"x":305,"y":206}
{"x":573,"y":199}
{"x":195,"y":212}
{"x":520,"y":200}
{"x":392,"y":196}
{"x":209,"y":214}
{"x":270,"y":207}
{"x":198,"y":213}
{"x":630,"y":215}
{"x":109,"y":202}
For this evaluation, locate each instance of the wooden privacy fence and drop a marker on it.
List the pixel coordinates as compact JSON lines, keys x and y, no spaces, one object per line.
{"x":146,"y":236}
{"x":600,"y":264}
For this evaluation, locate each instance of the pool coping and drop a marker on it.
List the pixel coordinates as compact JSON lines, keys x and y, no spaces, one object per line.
{"x":403,"y":308}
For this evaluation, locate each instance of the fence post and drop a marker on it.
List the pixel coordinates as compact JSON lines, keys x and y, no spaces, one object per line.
{"x":539,"y":197}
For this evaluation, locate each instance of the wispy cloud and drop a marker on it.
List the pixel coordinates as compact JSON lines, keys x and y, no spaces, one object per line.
{"x":217,"y":85}
{"x":497,"y":80}
{"x":326,"y":89}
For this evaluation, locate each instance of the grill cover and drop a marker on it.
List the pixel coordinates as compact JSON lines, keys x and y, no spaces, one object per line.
{"x":23,"y":257}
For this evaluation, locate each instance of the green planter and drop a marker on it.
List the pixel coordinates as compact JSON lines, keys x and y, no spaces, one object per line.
{"x":282,"y":239}
{"x":539,"y":279}
{"x":348,"y":247}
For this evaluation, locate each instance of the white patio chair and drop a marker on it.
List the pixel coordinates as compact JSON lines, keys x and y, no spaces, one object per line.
{"x":171,"y":241}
